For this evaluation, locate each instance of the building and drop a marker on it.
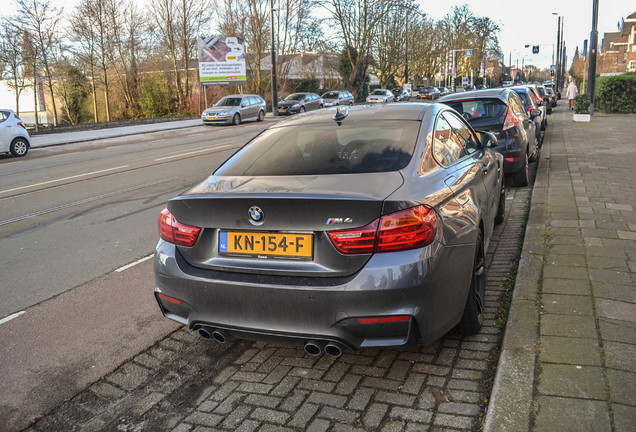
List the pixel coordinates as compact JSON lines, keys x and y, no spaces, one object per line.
{"x":618,"y":49}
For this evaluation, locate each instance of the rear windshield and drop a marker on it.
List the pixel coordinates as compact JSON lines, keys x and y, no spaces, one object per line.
{"x":310,"y":149}
{"x":524,"y":97}
{"x":480,"y":111}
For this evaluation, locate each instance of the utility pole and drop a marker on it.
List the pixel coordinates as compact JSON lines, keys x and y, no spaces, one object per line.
{"x":274,"y":89}
{"x":593,"y":47}
{"x":558,"y":61}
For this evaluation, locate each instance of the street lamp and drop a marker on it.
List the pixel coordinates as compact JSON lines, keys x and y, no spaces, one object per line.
{"x":274,"y":85}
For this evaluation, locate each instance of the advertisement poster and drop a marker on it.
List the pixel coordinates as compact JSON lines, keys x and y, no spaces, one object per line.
{"x":221,"y":60}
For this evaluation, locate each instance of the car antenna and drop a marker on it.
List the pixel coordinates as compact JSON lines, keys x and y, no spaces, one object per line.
{"x":340,"y":115}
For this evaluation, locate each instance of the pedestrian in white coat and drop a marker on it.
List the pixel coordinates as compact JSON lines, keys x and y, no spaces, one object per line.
{"x":571,"y":93}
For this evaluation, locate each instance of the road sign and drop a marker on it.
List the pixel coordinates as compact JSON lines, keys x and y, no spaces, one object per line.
{"x":552,"y":68}
{"x":535,"y":49}
{"x":469,"y":53}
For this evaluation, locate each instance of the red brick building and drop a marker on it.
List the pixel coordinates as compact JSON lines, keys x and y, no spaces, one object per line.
{"x":618,"y":49}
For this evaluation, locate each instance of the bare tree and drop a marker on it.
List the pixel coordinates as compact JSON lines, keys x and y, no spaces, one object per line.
{"x":30,"y":58}
{"x":42,"y":19}
{"x":11,"y":57}
{"x":358,"y":23}
{"x":177,"y":23}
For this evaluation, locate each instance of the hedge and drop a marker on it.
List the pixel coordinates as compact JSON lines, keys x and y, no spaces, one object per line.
{"x":616,"y":94}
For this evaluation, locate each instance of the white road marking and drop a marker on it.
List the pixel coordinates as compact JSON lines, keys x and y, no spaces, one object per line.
{"x":205,"y":150}
{"x":10,"y":317}
{"x":132,"y":264}
{"x":62,"y":179}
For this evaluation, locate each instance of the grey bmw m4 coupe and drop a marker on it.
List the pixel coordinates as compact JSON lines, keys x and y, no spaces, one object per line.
{"x":338,"y":229}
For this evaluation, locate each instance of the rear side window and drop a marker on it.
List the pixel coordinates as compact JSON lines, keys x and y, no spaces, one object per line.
{"x":524,"y":97}
{"x":447,"y":145}
{"x":312,"y":149}
{"x":3,"y":116}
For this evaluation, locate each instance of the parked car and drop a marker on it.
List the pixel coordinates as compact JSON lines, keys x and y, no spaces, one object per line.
{"x":538,"y":101}
{"x":355,"y":230}
{"x":530,"y":103}
{"x":444,"y":91}
{"x":380,"y":96}
{"x":501,"y":112}
{"x":14,"y":137}
{"x":401,"y":94}
{"x":337,"y":97}
{"x":234,"y":109}
{"x":552,"y":96}
{"x":299,"y":103}
{"x":429,"y":93}
{"x":545,"y":99}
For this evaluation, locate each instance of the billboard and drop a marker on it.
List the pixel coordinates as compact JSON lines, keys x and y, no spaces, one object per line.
{"x":221,"y":60}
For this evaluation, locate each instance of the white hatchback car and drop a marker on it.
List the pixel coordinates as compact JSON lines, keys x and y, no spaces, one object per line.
{"x":14,"y":137}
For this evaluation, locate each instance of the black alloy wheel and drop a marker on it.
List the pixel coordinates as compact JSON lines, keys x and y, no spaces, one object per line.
{"x":473,"y":317}
{"x":501,"y":207}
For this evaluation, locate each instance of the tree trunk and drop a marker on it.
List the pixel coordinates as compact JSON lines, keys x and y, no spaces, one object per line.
{"x":35,"y":99}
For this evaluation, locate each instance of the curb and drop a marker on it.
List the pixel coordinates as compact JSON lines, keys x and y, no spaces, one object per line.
{"x":510,"y":405}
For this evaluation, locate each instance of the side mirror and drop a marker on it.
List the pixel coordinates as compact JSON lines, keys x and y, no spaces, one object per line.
{"x":535,"y":112}
{"x":488,"y":139}
{"x":243,"y":105}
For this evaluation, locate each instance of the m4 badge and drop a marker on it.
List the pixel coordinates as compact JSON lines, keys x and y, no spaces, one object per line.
{"x":339,"y":221}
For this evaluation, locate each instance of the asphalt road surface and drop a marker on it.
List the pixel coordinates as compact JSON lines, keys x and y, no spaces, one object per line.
{"x":77,"y":226}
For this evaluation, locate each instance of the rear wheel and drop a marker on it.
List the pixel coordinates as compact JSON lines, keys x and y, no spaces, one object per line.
{"x":236,"y":120}
{"x":473,"y":317}
{"x":19,"y":147}
{"x":261,"y":115}
{"x":520,"y":178}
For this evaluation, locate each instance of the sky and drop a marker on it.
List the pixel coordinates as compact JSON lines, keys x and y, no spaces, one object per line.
{"x":521,"y":22}
{"x":532,"y":23}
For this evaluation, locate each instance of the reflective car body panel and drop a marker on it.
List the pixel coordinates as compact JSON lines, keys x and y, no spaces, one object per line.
{"x":330,"y":297}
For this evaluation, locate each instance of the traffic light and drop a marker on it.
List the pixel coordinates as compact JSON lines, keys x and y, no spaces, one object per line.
{"x":535,"y":49}
{"x":552,"y":72}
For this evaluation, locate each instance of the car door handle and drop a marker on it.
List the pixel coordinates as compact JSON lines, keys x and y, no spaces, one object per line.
{"x":485,"y":169}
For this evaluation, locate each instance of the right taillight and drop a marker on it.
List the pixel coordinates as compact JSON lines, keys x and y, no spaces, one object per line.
{"x":511,"y":120}
{"x":173,"y":231}
{"x":409,"y":229}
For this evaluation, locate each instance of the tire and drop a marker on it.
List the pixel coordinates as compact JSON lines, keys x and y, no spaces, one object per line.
{"x":541,"y":138}
{"x":520,"y":178}
{"x":261,"y":116}
{"x":501,"y":207}
{"x":473,"y":317}
{"x":236,"y":120}
{"x":19,"y":147}
{"x":302,"y":109}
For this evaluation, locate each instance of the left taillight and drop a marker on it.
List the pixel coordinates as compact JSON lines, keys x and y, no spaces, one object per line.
{"x":173,"y":231}
{"x":408,"y":229}
{"x":21,"y":124}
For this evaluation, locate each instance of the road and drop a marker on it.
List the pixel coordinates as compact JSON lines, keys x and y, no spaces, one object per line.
{"x":72,"y":218}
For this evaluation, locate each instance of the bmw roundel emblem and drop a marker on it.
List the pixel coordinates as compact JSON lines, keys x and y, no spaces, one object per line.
{"x":256,"y":215}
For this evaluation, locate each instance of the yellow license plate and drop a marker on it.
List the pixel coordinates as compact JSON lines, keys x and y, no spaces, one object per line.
{"x":211,"y":118}
{"x":265,"y":245}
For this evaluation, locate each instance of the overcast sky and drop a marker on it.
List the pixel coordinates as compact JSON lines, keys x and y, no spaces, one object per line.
{"x":521,"y":22}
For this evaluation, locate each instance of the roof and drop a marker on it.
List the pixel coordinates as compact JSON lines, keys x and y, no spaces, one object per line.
{"x":499,"y":93}
{"x":608,"y":39}
{"x":396,"y":111}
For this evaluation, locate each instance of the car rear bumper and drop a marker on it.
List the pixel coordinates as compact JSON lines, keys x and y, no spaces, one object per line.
{"x":421,"y":286}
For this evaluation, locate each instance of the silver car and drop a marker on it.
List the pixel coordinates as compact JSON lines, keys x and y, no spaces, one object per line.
{"x":362,"y":229}
{"x":14,"y":137}
{"x":234,"y":109}
{"x":380,"y":96}
{"x":337,"y":98}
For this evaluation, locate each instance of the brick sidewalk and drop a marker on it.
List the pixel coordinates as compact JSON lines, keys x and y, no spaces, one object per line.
{"x":569,"y":356}
{"x":185,"y":383}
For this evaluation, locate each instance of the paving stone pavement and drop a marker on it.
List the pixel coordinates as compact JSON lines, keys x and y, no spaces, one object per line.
{"x":185,"y":383}
{"x":568,"y":360}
